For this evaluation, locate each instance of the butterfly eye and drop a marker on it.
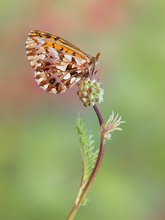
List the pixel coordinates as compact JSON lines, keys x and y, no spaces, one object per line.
{"x":52,"y":81}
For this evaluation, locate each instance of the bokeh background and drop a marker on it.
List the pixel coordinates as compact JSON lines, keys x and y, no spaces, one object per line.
{"x":40,"y":163}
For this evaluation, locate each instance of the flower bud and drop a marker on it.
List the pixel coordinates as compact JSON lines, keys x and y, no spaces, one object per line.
{"x":90,"y":92}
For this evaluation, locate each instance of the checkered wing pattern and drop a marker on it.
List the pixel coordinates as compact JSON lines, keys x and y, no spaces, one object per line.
{"x":58,"y":65}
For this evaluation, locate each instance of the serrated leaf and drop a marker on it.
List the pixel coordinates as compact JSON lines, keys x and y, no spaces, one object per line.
{"x":88,"y":152}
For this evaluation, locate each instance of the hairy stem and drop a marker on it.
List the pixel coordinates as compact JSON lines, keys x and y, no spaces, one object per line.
{"x":95,"y":169}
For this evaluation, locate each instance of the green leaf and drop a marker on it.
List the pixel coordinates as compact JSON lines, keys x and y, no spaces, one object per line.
{"x":88,"y":152}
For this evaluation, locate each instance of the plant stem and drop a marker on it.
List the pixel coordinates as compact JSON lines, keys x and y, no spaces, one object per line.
{"x":100,"y":118}
{"x":95,"y":169}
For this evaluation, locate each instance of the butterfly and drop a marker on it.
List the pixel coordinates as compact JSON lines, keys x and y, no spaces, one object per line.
{"x":58,"y":65}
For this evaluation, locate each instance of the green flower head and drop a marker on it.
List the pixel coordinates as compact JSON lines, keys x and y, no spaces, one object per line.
{"x":90,"y":92}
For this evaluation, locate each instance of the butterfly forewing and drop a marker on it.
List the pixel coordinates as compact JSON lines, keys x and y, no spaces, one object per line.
{"x":57,"y":64}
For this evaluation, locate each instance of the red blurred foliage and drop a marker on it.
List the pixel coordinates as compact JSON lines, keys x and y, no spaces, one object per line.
{"x":104,"y":14}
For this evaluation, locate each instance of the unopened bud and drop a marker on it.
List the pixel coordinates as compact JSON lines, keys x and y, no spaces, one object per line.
{"x":90,"y":92}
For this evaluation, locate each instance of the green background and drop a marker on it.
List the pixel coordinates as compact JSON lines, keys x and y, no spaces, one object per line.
{"x":40,"y":163}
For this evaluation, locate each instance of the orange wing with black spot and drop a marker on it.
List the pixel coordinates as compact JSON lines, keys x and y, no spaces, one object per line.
{"x":57,"y":64}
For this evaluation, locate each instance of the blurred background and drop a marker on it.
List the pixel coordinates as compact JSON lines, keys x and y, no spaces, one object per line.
{"x":40,"y":163}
